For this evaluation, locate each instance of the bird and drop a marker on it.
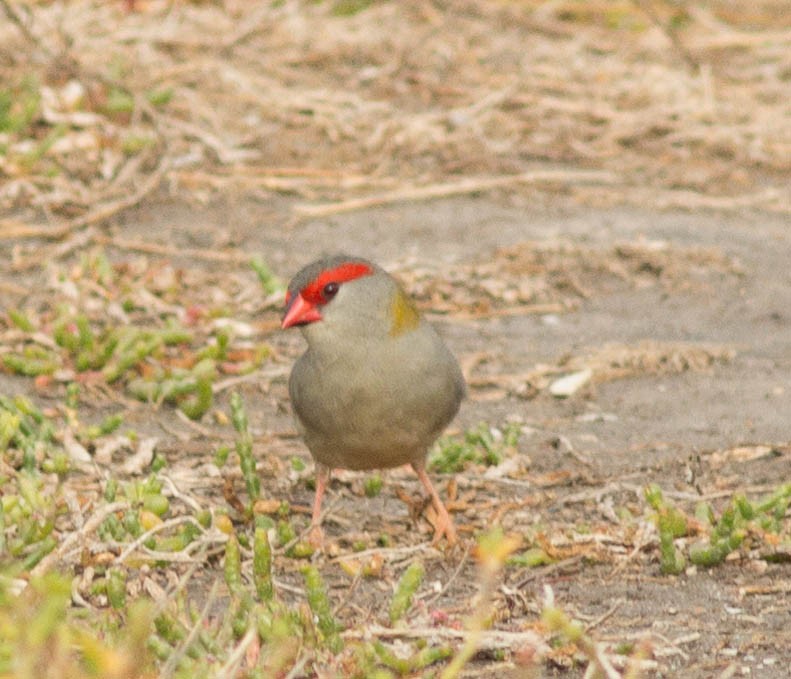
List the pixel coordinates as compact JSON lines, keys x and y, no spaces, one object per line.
{"x":376,"y":385}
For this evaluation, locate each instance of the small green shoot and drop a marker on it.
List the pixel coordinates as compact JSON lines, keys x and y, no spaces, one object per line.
{"x":233,"y":566}
{"x":262,"y":565}
{"x":270,"y":283}
{"x":160,"y":97}
{"x":320,"y":607}
{"x":372,"y":485}
{"x":481,"y":445}
{"x":244,"y":448}
{"x":740,"y":521}
{"x":530,"y":558}
{"x":21,"y":320}
{"x":405,"y":591}
{"x":347,"y":8}
{"x":119,"y":101}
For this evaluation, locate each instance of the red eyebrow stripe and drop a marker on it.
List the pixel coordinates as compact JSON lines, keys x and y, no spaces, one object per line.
{"x":314,"y":291}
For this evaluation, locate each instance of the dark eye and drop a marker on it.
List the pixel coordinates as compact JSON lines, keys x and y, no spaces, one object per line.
{"x":330,"y":290}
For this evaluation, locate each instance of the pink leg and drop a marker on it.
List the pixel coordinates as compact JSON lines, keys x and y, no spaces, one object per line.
{"x":444,"y":522}
{"x":316,"y":536}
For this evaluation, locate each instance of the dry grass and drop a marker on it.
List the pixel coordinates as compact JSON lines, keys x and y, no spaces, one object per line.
{"x":552,"y":276}
{"x":682,"y":104}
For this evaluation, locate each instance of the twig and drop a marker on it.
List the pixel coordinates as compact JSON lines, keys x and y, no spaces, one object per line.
{"x":729,"y":671}
{"x":695,"y":497}
{"x":99,"y":214}
{"x":296,"y":671}
{"x":600,"y":664}
{"x":489,"y":639}
{"x":395,"y":552}
{"x":178,"y":653}
{"x":175,"y":492}
{"x":672,"y":35}
{"x":132,"y":546}
{"x":251,"y":25}
{"x":551,"y":568}
{"x":301,"y":536}
{"x":236,"y":380}
{"x":644,"y":538}
{"x":279,"y":584}
{"x":771,"y":199}
{"x":78,"y":241}
{"x":471,"y":185}
{"x":12,"y":229}
{"x":15,"y":19}
{"x":13,"y":288}
{"x":150,"y":248}
{"x":742,"y":39}
{"x":228,"y":670}
{"x":225,"y":154}
{"x":186,"y":555}
{"x":453,"y":576}
{"x":163,"y":601}
{"x":88,"y":527}
{"x":598,"y":621}
{"x":670,"y":647}
{"x":198,"y":428}
{"x":598,"y":492}
{"x":516,"y":310}
{"x":343,"y":603}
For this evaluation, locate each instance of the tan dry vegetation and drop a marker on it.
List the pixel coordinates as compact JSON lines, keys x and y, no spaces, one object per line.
{"x":553,"y":276}
{"x":664,"y":104}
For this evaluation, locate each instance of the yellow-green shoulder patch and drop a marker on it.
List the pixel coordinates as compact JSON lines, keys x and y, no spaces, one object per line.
{"x":404,"y":314}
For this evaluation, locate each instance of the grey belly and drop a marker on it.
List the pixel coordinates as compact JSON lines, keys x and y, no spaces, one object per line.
{"x":365,"y":437}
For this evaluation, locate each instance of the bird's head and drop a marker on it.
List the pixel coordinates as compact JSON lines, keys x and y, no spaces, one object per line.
{"x":344,"y":295}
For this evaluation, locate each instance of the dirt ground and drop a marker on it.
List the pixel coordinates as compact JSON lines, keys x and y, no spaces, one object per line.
{"x":588,"y":453}
{"x":671,"y":282}
{"x":645,"y":429}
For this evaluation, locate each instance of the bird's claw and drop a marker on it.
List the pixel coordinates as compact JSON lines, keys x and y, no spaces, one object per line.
{"x":443,"y":527}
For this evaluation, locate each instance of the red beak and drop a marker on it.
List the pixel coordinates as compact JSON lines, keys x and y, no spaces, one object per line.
{"x":300,"y":312}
